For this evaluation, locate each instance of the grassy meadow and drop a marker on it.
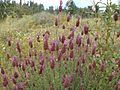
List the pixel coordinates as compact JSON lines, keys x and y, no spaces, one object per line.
{"x":46,"y":52}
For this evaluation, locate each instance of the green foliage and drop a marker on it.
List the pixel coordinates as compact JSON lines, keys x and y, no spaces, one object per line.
{"x":8,"y":8}
{"x":71,"y":7}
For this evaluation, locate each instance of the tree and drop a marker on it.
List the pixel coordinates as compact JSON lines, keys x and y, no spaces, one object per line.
{"x":51,"y":9}
{"x":71,"y":7}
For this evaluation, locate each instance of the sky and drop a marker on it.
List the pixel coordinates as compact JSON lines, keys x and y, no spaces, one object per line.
{"x":55,"y":3}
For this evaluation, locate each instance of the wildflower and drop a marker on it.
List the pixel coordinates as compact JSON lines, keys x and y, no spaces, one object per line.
{"x":78,"y":40}
{"x":82,"y":58}
{"x":18,"y":46}
{"x":20,"y":86}
{"x":81,"y":73}
{"x":96,"y":35}
{"x":8,"y":56}
{"x":78,"y":21}
{"x":52,"y":48}
{"x":68,"y":17}
{"x":60,"y":7}
{"x":14,"y":61}
{"x":88,"y":41}
{"x":56,"y":21}
{"x":71,"y":35}
{"x":66,"y":82}
{"x":94,"y":49}
{"x":30,"y":43}
{"x":41,"y":69}
{"x":35,"y":52}
{"x":82,"y":32}
{"x":63,"y":27}
{"x":41,"y":59}
{"x":16,"y":74}
{"x":46,"y":42}
{"x":23,"y":66}
{"x":102,"y":66}
{"x":52,"y":62}
{"x":14,"y":80}
{"x":94,"y":64}
{"x":115,"y":17}
{"x":38,"y":37}
{"x":118,"y":34}
{"x":90,"y":66}
{"x":63,"y":50}
{"x":63,"y":39}
{"x":30,"y":52}
{"x":2,"y":71}
{"x":71,"y":54}
{"x":59,"y":55}
{"x":71,"y":44}
{"x":117,"y":84}
{"x":5,"y":81}
{"x":86,"y":29}
{"x":32,"y":64}
{"x":110,"y":77}
{"x":9,"y":41}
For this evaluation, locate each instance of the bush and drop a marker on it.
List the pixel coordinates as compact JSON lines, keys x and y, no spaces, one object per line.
{"x":43,"y":18}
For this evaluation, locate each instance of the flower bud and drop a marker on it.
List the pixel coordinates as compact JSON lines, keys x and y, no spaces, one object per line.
{"x":53,"y":44}
{"x":59,"y":55}
{"x":60,"y":7}
{"x":68,"y":17}
{"x":118,"y":34}
{"x":20,"y":86}
{"x":63,"y":39}
{"x":94,"y":64}
{"x":38,"y":37}
{"x":14,"y":61}
{"x":52,"y":62}
{"x":23,"y":66}
{"x":2,"y":71}
{"x":71,"y":54}
{"x":78,"y":21}
{"x":90,"y":66}
{"x":9,"y":41}
{"x":94,"y":49}
{"x":71,"y":44}
{"x":18,"y":46}
{"x":86,"y":29}
{"x":30,"y":43}
{"x":56,"y":21}
{"x":63,"y":27}
{"x":115,"y":17}
{"x":88,"y":41}
{"x":78,"y":40}
{"x":16,"y":75}
{"x":32,"y":64}
{"x":102,"y":66}
{"x":30,"y":52}
{"x":5,"y":81}
{"x":35,"y":52}
{"x":41,"y":69}
{"x":41,"y":59}
{"x":14,"y":80}
{"x":110,"y":77}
